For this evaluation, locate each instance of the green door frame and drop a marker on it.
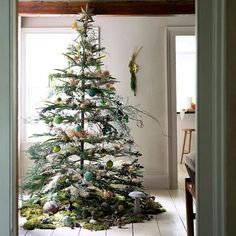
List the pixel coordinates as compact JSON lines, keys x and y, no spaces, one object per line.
{"x":211,"y":118}
{"x":8,"y":117}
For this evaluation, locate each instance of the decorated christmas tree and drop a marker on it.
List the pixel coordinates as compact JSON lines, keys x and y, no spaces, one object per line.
{"x":79,"y":176}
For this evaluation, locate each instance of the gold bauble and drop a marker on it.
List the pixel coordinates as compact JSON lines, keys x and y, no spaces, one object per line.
{"x":106,"y":74}
{"x":82,"y":105}
{"x":73,"y":81}
{"x":74,"y":25}
{"x":81,"y":134}
{"x":107,"y":194}
{"x":71,"y":133}
{"x":98,"y":111}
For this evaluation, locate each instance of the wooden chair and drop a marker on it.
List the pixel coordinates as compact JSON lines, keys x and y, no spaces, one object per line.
{"x":187,"y":134}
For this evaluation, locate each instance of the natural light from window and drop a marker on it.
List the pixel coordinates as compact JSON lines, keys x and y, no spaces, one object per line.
{"x":41,"y":54}
{"x":185,"y":71}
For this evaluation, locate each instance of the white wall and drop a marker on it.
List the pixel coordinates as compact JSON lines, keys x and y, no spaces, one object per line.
{"x":120,"y":35}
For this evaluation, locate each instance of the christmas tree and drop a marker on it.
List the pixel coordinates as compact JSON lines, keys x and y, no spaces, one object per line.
{"x":79,"y":176}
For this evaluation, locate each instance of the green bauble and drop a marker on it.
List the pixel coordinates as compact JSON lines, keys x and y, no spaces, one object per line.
{"x":88,"y":176}
{"x":126,"y":118}
{"x":109,"y":163}
{"x":67,"y":221}
{"x":57,"y":119}
{"x":92,"y":92}
{"x":56,"y":148}
{"x":78,"y":128}
{"x":103,"y":102}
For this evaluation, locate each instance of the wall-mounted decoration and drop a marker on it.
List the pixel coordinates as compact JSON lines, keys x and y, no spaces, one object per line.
{"x":133,"y":68}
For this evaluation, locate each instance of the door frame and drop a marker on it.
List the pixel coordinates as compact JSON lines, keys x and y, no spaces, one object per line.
{"x":211,"y":117}
{"x":8,"y":117}
{"x":171,"y":33}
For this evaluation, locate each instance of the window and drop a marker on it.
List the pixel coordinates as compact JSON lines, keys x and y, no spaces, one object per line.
{"x":185,"y":71}
{"x":41,"y":53}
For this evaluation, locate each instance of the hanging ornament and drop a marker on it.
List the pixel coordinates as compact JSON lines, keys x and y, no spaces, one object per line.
{"x":71,"y":133}
{"x":56,"y":148}
{"x":133,"y":68}
{"x":98,"y":112}
{"x":106,"y":129}
{"x":85,"y":104}
{"x":78,"y":128}
{"x":109,"y":163}
{"x":57,"y":119}
{"x":106,"y":74}
{"x":74,"y":25}
{"x":73,"y":81}
{"x":50,"y":207}
{"x":81,"y":134}
{"x":58,"y":100}
{"x":121,"y":207}
{"x":92,"y":92}
{"x":88,"y":176}
{"x":107,"y":194}
{"x":103,"y":102}
{"x":106,"y":207}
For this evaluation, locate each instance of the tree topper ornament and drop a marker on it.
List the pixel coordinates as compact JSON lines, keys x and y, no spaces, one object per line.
{"x":86,"y":15}
{"x":133,"y":68}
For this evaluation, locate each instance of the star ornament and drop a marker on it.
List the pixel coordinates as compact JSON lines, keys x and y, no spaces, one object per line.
{"x":86,"y":15}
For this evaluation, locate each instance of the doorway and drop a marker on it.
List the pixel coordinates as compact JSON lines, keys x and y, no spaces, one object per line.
{"x":177,"y":98}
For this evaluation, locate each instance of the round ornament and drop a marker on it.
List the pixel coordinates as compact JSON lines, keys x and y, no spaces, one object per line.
{"x":92,"y":92}
{"x":78,"y":128}
{"x":81,"y":134}
{"x":50,"y":207}
{"x":58,"y":100}
{"x":56,"y":148}
{"x":121,"y":207}
{"x":73,"y":81}
{"x":109,"y":163}
{"x":67,"y":221}
{"x":71,"y":133}
{"x":88,"y":176}
{"x":107,"y":194}
{"x":106,"y":207}
{"x":57,"y":119}
{"x":103,"y":102}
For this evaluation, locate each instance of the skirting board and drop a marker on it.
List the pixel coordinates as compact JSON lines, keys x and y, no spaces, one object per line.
{"x":156,"y":181}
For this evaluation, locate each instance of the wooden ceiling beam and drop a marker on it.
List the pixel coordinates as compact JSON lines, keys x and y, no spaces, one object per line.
{"x":148,"y":8}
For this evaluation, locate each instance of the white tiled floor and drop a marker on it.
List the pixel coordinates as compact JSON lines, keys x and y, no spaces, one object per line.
{"x":170,"y":223}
